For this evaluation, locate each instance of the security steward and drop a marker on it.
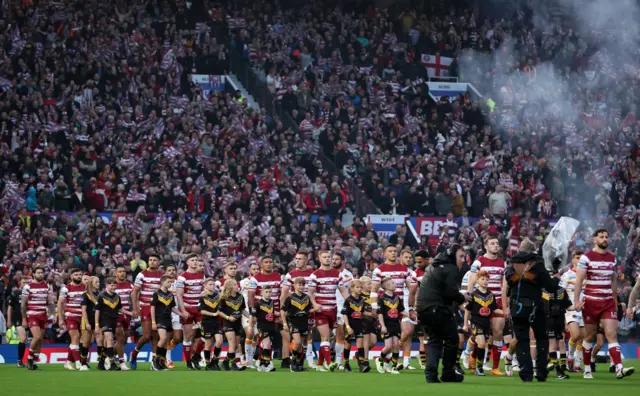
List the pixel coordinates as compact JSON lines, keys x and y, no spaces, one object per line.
{"x":438,"y":298}
{"x":526,"y":277}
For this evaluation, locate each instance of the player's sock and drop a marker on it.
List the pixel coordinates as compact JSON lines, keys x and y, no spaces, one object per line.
{"x":325,"y":353}
{"x":405,"y":361}
{"x":563,"y":359}
{"x":572,"y":349}
{"x":496,"y":351}
{"x":586,"y":353}
{"x":266,"y":355}
{"x":474,"y":351}
{"x":22,"y":347}
{"x":231,"y":357}
{"x":32,"y":355}
{"x":394,"y":359}
{"x":134,"y":354}
{"x":186,"y":350}
{"x":614,"y":353}
{"x":480,"y":353}
{"x":69,"y":355}
{"x":110,"y":354}
{"x":578,"y":355}
{"x":339,"y":351}
{"x":100,"y":352}
{"x":361,"y":358}
{"x":207,"y":355}
{"x":459,"y":354}
{"x":199,"y":347}
{"x":553,"y":358}
{"x":423,"y":357}
{"x":161,"y":353}
{"x":75,"y":353}
{"x":248,"y":350}
{"x":216,"y":353}
{"x":488,"y":352}
{"x":470,"y":345}
{"x":84,"y":352}
{"x":309,"y":353}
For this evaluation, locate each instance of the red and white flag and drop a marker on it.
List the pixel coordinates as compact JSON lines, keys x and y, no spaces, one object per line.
{"x":437,"y":66}
{"x":484,"y":163}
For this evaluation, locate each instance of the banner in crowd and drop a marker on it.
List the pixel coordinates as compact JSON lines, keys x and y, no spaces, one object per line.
{"x":209,"y":83}
{"x":440,"y":89}
{"x":437,"y":66}
{"x":431,"y":226}
{"x":57,"y":353}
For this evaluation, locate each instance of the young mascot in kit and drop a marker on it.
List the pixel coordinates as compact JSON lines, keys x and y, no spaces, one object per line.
{"x":390,"y":313}
{"x":211,"y":330}
{"x":295,"y":316}
{"x":107,"y":309}
{"x":354,"y":312}
{"x":161,"y":305}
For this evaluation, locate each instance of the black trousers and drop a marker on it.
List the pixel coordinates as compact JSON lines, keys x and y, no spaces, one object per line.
{"x":440,"y":326}
{"x":521,"y":326}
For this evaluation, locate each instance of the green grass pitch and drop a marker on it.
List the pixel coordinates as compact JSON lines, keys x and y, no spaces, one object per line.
{"x":54,"y":380}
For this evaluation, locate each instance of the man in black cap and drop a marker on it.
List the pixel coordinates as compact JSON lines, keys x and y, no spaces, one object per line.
{"x":526,"y":278}
{"x":438,"y":297}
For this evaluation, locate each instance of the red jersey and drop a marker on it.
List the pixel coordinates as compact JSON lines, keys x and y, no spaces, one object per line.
{"x":219,"y":284}
{"x":192,"y":284}
{"x":601,"y":268}
{"x":326,"y":284}
{"x":398,"y":272}
{"x":37,"y":295}
{"x":149,"y":282}
{"x":260,"y":280}
{"x":72,"y":295}
{"x":417,"y":274}
{"x":124,"y":290}
{"x":288,"y":278}
{"x":495,"y":268}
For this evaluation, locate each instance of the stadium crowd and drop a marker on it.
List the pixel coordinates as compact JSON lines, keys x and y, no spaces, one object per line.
{"x":99,"y":114}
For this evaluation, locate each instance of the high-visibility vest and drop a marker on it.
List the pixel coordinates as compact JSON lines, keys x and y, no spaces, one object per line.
{"x":12,"y":336}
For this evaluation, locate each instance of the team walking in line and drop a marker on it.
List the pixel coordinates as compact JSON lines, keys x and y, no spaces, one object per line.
{"x":249,"y":315}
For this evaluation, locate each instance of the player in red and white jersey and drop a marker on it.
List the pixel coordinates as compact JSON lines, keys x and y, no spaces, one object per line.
{"x":230,"y":270}
{"x":147,"y":282}
{"x":343,"y":345}
{"x":189,"y":287}
{"x":301,"y":270}
{"x":495,"y":266}
{"x":124,"y":288}
{"x":35,"y":298}
{"x":70,"y":315}
{"x":597,"y":271}
{"x":422,"y":259}
{"x":265,"y":277}
{"x":250,"y":330}
{"x":323,"y":285}
{"x":573,"y":318}
{"x":403,"y":279}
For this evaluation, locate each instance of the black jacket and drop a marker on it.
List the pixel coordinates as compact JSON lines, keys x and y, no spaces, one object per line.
{"x":533,"y":281}
{"x":440,"y":286}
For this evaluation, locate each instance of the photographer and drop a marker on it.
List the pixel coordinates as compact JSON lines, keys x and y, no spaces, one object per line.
{"x":438,"y":297}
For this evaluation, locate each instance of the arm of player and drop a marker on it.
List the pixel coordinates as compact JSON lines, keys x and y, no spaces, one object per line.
{"x":581,"y":275}
{"x":154,"y":325}
{"x":85,"y":317}
{"x":23,"y":305}
{"x":9,"y":316}
{"x":346,"y":324}
{"x":375,"y":287}
{"x":383,"y":328}
{"x":135,"y":310}
{"x":61,"y":306}
{"x":472,"y":282}
{"x":180,"y":297}
{"x":505,"y":299}
{"x":632,"y":298}
{"x":614,"y":288}
{"x":97,"y":321}
{"x":344,"y":292}
{"x":467,"y":316}
{"x":284,"y":292}
{"x":413,"y":291}
{"x":312,"y":297}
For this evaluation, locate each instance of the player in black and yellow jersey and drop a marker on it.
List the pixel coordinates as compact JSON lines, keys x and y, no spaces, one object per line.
{"x":295,"y":316}
{"x":556,"y":305}
{"x":107,"y":309}
{"x":372,"y":327}
{"x":391,"y":310}
{"x":354,"y":311}
{"x":230,"y":309}
{"x":89,"y":300}
{"x":162,"y":304}
{"x":478,"y":316}
{"x":265,"y":318}
{"x":211,"y":331}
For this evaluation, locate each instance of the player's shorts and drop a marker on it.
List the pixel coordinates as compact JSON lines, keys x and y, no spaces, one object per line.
{"x":246,"y":322}
{"x":459,"y":317}
{"x":326,"y":318}
{"x":299,"y":326}
{"x":479,"y":330}
{"x":145,"y":313}
{"x":393,"y":330}
{"x":124,"y":322}
{"x":596,"y":310}
{"x":312,"y":320}
{"x":165,"y":325}
{"x":339,"y":319}
{"x":358,"y":329}
{"x":574,"y":317}
{"x":175,"y":321}
{"x":210,"y":328}
{"x":194,"y":316}
{"x":555,"y":327}
{"x":228,"y":326}
{"x":109,"y":326}
{"x":371,"y":326}
{"x":38,"y":320}
{"x":73,"y":322}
